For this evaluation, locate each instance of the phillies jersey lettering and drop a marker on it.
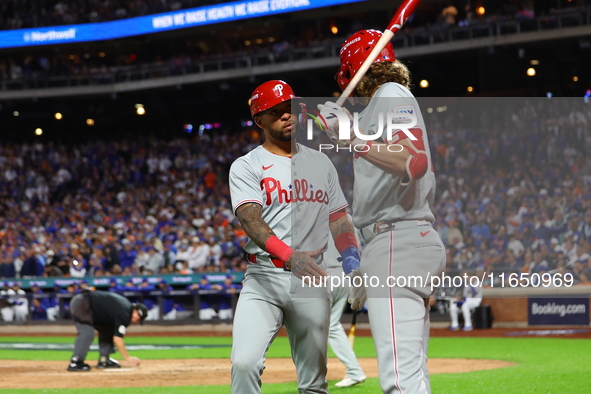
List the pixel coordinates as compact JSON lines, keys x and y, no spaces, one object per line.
{"x":300,"y":191}
{"x":297,"y":195}
{"x":377,"y":195}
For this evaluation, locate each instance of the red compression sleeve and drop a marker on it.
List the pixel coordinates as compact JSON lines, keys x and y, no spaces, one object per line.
{"x":278,"y":248}
{"x":345,"y":240}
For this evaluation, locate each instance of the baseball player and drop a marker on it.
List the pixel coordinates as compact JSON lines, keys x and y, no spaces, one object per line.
{"x":227,"y":289}
{"x":206,"y":301}
{"x":471,"y":299}
{"x":337,"y":339}
{"x":392,"y":193}
{"x":110,"y":314}
{"x":6,"y":302}
{"x":287,"y":198}
{"x":20,"y":303}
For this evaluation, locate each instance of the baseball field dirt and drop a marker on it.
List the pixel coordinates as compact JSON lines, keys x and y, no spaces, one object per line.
{"x":189,"y":372}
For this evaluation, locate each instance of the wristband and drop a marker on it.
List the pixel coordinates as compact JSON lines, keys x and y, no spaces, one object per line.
{"x":344,"y":241}
{"x":278,"y":248}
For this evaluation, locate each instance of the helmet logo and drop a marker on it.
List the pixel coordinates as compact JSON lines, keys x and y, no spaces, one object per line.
{"x":278,"y":88}
{"x":350,"y":43}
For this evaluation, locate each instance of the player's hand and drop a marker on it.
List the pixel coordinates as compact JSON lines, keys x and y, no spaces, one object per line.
{"x":134,"y":361}
{"x":328,"y":121}
{"x":357,"y":294}
{"x":302,"y":264}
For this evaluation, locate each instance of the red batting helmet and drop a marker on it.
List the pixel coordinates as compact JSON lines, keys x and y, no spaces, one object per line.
{"x":268,"y":95}
{"x":354,"y":52}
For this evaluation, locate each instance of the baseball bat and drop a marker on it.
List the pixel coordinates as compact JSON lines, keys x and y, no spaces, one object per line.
{"x":353,"y":329}
{"x":398,"y":20}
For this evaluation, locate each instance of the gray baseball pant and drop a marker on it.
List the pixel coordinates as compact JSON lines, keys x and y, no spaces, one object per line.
{"x":266,"y":302}
{"x":337,"y":339}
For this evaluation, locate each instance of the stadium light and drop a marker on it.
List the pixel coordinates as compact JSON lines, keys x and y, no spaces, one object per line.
{"x":334,"y":30}
{"x":470,"y":89}
{"x":531,"y":72}
{"x":534,"y":62}
{"x":90,"y":122}
{"x":15,"y":113}
{"x":424,"y":83}
{"x":140,"y":111}
{"x":38,"y":131}
{"x":575,"y":79}
{"x":58,"y":116}
{"x":480,"y":10}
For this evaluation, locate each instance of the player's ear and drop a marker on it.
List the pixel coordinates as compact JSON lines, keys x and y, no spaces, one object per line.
{"x":258,"y":121}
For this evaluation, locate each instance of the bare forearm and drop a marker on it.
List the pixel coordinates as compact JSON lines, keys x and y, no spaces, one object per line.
{"x":341,"y":225}
{"x":120,"y":344}
{"x":253,"y":224}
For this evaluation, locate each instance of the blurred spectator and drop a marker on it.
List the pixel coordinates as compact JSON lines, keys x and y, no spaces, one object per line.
{"x":225,"y":299}
{"x":39,"y":305}
{"x":20,"y":303}
{"x":6,"y":303}
{"x":206,"y":301}
{"x":449,"y":14}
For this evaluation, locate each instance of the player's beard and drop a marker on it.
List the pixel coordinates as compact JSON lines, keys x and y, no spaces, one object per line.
{"x":284,"y":135}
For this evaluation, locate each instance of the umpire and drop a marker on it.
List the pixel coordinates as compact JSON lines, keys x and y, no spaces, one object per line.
{"x":110,"y":314}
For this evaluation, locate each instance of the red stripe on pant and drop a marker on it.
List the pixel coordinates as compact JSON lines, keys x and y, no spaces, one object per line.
{"x":392,"y":319}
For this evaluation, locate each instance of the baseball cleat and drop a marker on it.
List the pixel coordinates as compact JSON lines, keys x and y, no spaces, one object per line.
{"x":108,"y":363}
{"x":348,"y":382}
{"x":78,"y":366}
{"x":454,"y":328}
{"x":467,"y":328}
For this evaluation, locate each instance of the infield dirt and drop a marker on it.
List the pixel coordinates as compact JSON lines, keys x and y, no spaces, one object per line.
{"x":189,"y":372}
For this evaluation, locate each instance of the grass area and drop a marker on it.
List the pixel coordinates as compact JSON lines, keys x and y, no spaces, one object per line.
{"x":544,"y":365}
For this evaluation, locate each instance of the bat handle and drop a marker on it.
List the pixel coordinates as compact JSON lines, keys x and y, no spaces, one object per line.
{"x":380,"y":45}
{"x":352,"y":336}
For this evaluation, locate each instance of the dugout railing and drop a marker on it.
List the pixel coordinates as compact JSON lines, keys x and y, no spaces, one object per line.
{"x":189,"y":299}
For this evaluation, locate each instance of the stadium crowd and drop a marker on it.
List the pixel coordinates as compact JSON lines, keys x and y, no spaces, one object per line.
{"x":513,"y":196}
{"x":120,"y":208}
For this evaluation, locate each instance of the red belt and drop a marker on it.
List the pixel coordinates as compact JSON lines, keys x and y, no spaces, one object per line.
{"x":252,"y":258}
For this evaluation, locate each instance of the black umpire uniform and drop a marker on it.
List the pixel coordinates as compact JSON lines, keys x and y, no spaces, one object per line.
{"x":109,"y":314}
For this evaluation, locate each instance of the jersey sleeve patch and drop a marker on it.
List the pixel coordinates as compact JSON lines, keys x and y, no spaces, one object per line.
{"x":121,"y":329}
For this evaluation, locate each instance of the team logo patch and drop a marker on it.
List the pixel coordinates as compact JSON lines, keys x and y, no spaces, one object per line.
{"x":121,"y":330}
{"x":278,"y":90}
{"x":404,"y":113}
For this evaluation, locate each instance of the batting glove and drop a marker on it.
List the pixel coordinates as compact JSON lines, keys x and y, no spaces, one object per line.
{"x":350,"y":259}
{"x":357,"y":294}
{"x":328,"y":121}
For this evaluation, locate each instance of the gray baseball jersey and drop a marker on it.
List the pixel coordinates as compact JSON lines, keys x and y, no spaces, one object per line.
{"x":297,"y":195}
{"x":398,"y":315}
{"x":380,"y":195}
